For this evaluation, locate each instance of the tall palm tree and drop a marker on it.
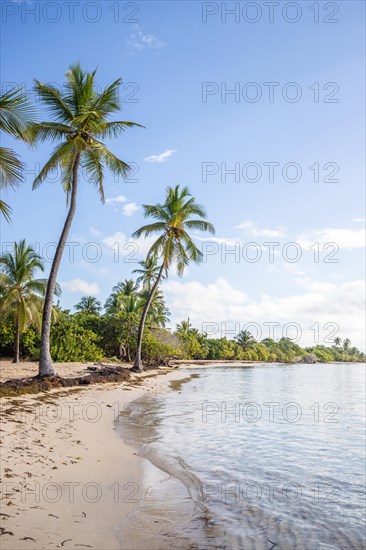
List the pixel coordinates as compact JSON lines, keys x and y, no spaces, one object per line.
{"x":148,"y":272}
{"x":79,"y":120}
{"x":21,"y":293}
{"x":174,"y":244}
{"x":337,"y":341}
{"x":16,"y":113}
{"x":244,"y":339}
{"x":89,"y":305}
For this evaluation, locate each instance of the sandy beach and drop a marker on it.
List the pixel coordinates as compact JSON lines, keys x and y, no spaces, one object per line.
{"x":68,"y":480}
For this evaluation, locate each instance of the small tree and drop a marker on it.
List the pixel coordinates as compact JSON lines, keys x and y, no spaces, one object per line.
{"x":20,"y":291}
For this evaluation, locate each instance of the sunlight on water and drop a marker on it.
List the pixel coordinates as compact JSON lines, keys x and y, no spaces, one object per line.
{"x":259,"y":457}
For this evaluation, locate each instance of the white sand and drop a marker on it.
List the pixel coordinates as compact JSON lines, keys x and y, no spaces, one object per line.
{"x":65,"y":472}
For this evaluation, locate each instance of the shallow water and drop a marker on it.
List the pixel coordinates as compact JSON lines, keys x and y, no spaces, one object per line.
{"x":260,"y":457}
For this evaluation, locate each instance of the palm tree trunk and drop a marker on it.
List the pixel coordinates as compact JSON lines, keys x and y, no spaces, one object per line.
{"x":138,"y":366}
{"x":17,"y":339}
{"x":46,"y":367}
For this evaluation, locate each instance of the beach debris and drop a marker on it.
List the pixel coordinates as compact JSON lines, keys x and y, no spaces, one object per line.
{"x":3,"y":532}
{"x":103,"y":373}
{"x":28,"y":538}
{"x":83,"y":514}
{"x":63,"y":542}
{"x":53,"y":516}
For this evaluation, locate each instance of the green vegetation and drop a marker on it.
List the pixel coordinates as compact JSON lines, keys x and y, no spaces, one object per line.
{"x":16,"y":113}
{"x":21,"y":295}
{"x":89,"y":335}
{"x":79,"y":120}
{"x":173,"y":222}
{"x":133,"y":325}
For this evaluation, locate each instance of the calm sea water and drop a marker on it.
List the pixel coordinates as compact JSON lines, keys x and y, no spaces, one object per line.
{"x":262,"y":457}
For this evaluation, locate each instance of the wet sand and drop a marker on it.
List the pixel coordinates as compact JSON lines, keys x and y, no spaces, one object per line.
{"x":68,"y":480}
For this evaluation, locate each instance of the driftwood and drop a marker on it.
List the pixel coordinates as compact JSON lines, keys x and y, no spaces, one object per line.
{"x":36,"y":384}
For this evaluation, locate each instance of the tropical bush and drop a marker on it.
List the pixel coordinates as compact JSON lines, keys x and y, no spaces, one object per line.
{"x":70,"y":341}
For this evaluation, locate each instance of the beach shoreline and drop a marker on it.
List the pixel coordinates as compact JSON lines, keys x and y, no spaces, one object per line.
{"x":68,"y":479}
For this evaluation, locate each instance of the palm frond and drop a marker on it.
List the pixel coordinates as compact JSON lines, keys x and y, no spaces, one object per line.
{"x":16,"y":113}
{"x":117,"y":166}
{"x":94,"y":170}
{"x":156,"y":211}
{"x":11,"y":168}
{"x":5,"y":210}
{"x":59,"y":157}
{"x":200,"y":225}
{"x":108,"y":100}
{"x":116,"y":128}
{"x":49,"y":131}
{"x":54,"y":102}
{"x":148,"y":229}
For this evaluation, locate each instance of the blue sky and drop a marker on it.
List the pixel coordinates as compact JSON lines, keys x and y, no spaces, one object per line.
{"x":179,"y":61}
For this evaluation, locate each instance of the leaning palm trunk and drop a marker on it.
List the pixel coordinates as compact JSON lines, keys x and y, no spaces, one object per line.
{"x":46,"y":367}
{"x":138,"y":366}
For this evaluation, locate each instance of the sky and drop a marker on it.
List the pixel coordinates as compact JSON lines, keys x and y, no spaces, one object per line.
{"x":258,"y":108}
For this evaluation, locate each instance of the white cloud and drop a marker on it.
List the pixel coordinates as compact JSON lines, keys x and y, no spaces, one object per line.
{"x":120,"y":198}
{"x":344,"y":238}
{"x":362,"y":220}
{"x":254,"y":230}
{"x":95,"y":232}
{"x":128,"y":247}
{"x":218,"y":300}
{"x":80,"y":285}
{"x":139,"y":41}
{"x":130,"y":209}
{"x":322,"y":303}
{"x":162,"y":157}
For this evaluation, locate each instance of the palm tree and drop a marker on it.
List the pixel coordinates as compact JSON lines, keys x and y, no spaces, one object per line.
{"x":346,"y":344}
{"x":148,"y":272}
{"x":131,"y":304}
{"x":89,"y":305}
{"x":174,"y":245}
{"x":79,"y":120}
{"x":21,"y":293}
{"x":122,"y":290}
{"x":15,"y":115}
{"x":183,"y":328}
{"x":128,"y":287}
{"x":158,"y":314}
{"x":337,"y":341}
{"x":244,"y":339}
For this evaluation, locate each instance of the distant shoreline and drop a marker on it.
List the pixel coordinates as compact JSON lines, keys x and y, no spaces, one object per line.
{"x":191,"y":363}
